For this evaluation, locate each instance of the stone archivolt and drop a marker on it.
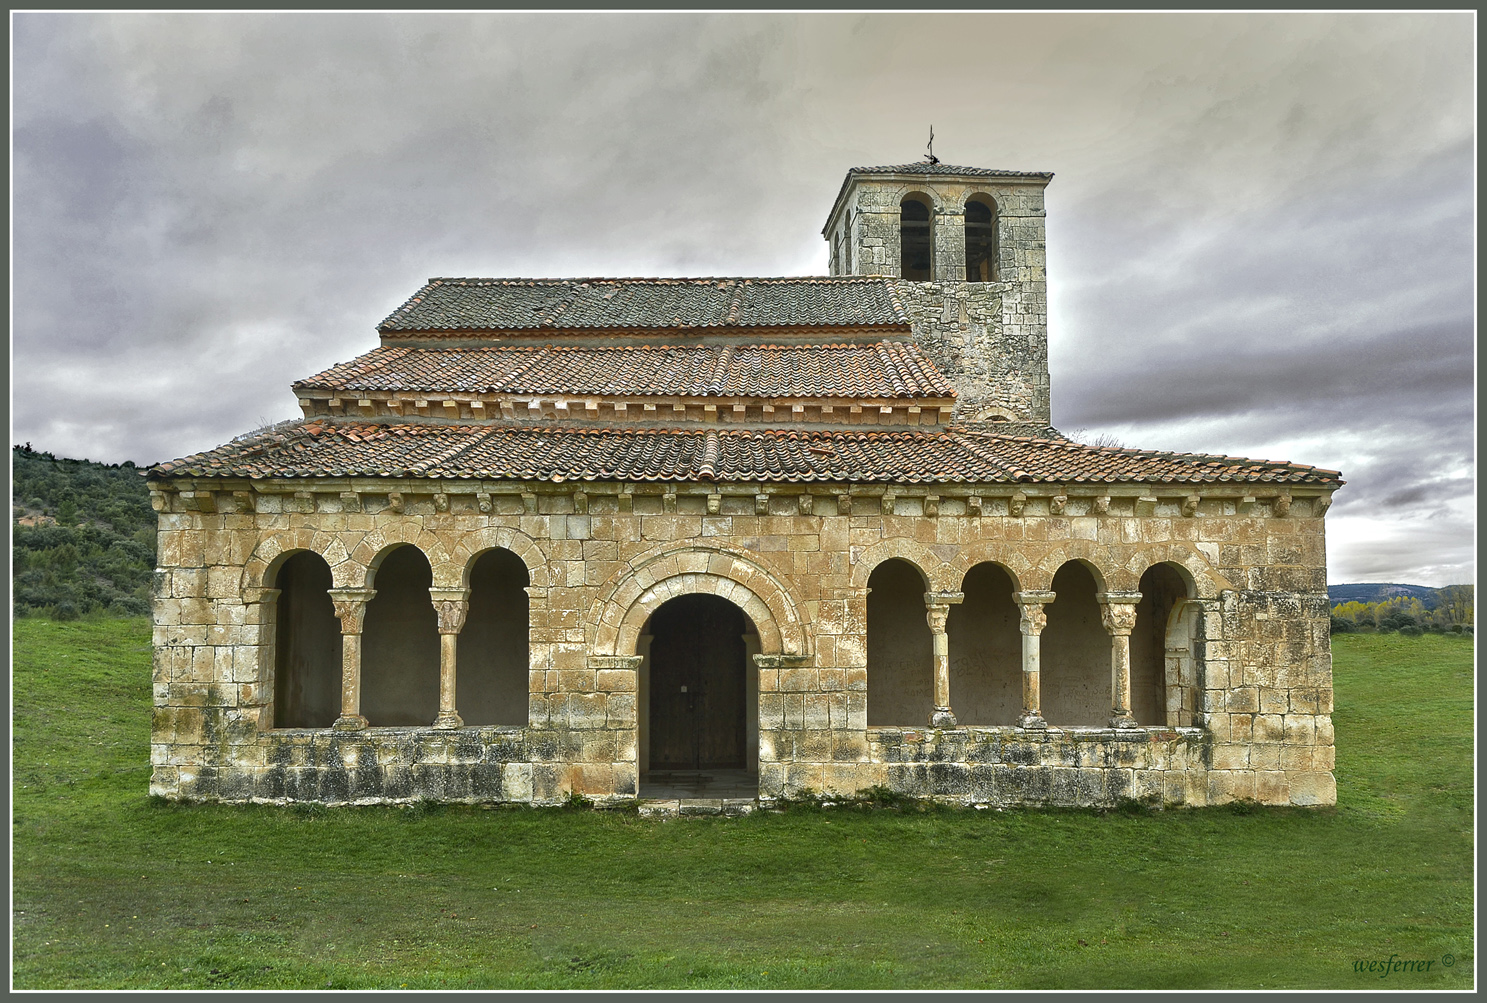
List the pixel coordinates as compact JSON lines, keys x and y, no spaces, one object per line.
{"x":446,"y":580}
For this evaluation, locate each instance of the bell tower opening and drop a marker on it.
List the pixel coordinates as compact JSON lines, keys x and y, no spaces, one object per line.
{"x":914,"y":239}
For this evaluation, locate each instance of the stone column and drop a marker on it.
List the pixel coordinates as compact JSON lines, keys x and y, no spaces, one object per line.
{"x":1034,"y":619}
{"x":643,"y":700}
{"x":751,"y":704}
{"x":937,"y":611}
{"x":1118,"y":610}
{"x":351,"y":607}
{"x":452,"y":606}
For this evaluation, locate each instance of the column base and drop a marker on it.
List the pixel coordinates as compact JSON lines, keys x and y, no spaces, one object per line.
{"x":943,"y":717}
{"x":449,"y":720}
{"x":1124,"y":722}
{"x":1032,"y":722}
{"x":349,"y":722}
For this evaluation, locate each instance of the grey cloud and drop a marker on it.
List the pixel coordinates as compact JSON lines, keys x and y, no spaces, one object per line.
{"x":1261,"y":218}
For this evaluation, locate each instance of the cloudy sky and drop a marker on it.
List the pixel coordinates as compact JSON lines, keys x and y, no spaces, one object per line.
{"x":1261,"y":231}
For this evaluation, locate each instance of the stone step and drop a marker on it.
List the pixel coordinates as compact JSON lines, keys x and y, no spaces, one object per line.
{"x":679,"y":807}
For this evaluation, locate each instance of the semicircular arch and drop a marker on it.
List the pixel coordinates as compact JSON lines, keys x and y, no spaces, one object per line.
{"x":467,"y":548}
{"x":620,"y":611}
{"x":938,"y":575}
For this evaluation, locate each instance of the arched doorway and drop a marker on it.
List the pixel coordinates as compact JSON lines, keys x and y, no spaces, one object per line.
{"x":696,"y":688}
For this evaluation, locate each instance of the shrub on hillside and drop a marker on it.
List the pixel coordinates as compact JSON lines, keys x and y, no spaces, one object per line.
{"x":87,"y":545}
{"x":1342,"y":625}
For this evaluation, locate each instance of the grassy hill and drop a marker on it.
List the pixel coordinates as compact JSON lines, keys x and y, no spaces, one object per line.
{"x":84,"y":537}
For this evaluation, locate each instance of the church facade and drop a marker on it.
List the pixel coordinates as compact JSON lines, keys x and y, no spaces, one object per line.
{"x":596,"y":537}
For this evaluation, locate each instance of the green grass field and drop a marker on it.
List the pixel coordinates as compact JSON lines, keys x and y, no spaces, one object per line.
{"x":112,"y":889}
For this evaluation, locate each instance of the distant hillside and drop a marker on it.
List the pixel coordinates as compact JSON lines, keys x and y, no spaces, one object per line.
{"x":84,"y":537}
{"x":1370,"y":592}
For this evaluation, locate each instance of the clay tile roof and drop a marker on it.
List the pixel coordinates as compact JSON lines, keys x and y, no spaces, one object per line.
{"x":327,"y":448}
{"x":887,"y":369}
{"x":646,"y":304}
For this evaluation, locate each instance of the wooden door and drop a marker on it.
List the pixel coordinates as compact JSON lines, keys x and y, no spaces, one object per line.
{"x":697,"y":685}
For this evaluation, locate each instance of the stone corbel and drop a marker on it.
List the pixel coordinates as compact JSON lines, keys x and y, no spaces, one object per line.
{"x":806,"y":503}
{"x":761,"y":504}
{"x":1101,"y":505}
{"x":931,"y":505}
{"x":581,"y":502}
{"x":1016,"y":504}
{"x":529,"y":502}
{"x":483,"y":501}
{"x":350,"y":501}
{"x":395,"y":502}
{"x":668,"y":500}
{"x":844,"y":504}
{"x":1281,"y":506}
{"x":1146,"y":505}
{"x":1190,"y":506}
{"x":1057,"y":504}
{"x":441,"y":502}
{"x":889,"y":499}
{"x":1320,"y":504}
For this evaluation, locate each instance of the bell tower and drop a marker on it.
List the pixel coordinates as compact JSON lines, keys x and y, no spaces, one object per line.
{"x":967,"y":248}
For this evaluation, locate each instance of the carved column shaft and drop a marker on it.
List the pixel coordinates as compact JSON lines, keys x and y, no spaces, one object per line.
{"x":452,"y":607}
{"x":351,"y":609}
{"x":1118,"y":611}
{"x":937,"y":612}
{"x":1034,"y":618}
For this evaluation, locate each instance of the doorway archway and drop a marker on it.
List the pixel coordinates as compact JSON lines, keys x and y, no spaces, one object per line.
{"x":696,"y":687}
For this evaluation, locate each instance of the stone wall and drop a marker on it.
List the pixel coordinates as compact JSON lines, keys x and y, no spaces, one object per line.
{"x":796,"y":560}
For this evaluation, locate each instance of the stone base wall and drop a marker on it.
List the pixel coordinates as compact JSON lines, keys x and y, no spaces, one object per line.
{"x":972,"y":766}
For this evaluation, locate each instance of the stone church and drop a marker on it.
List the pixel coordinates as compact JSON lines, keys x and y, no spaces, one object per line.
{"x":711,"y":542}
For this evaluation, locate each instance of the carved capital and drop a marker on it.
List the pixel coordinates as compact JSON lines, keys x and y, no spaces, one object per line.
{"x":452,"y":606}
{"x":937,"y":608}
{"x":1031,"y":605}
{"x":1118,"y":611}
{"x":351,"y":607}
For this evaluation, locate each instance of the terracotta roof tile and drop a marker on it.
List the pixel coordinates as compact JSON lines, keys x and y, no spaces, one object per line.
{"x":451,"y":304}
{"x":876,"y":370}
{"x":323,"y":448}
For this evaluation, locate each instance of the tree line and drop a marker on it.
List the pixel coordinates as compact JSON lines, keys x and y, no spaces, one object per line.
{"x":1452,"y":613}
{"x":83,"y":537}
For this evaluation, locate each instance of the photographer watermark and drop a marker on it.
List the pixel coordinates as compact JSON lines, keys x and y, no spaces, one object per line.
{"x":1394,"y":963}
